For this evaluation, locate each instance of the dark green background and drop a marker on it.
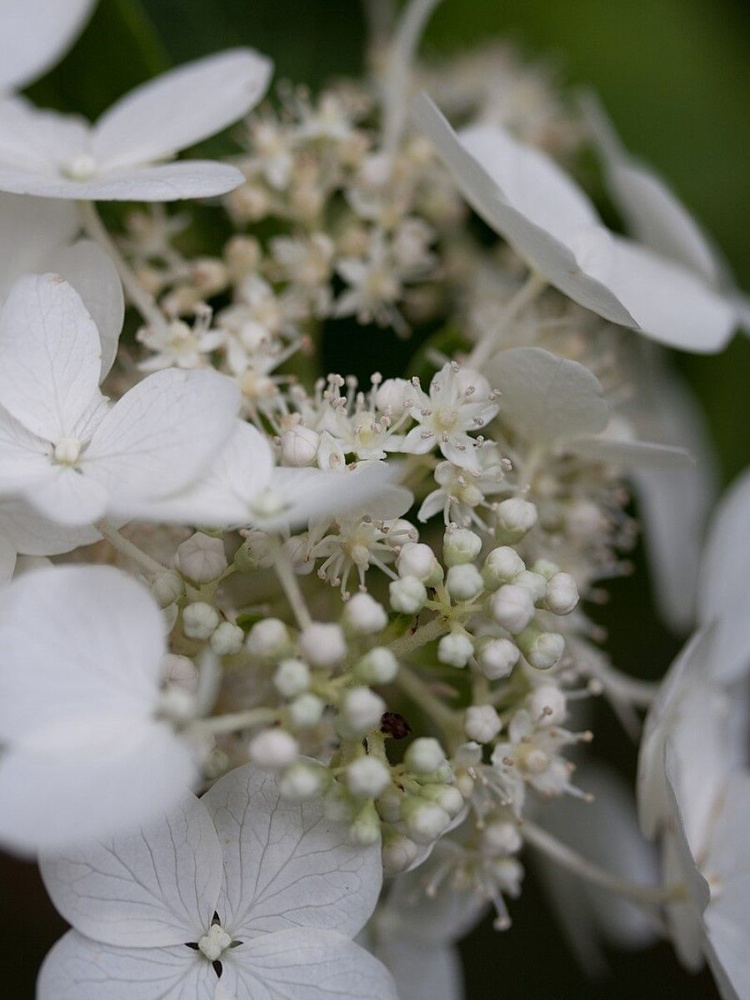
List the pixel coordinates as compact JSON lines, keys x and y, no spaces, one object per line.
{"x":675,"y":76}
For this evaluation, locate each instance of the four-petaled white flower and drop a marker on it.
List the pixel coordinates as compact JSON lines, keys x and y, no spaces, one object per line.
{"x":87,"y":752}
{"x":34,"y":34}
{"x":460,"y":400}
{"x":552,"y":225}
{"x":119,"y":158}
{"x":236,"y":895}
{"x":556,"y":404}
{"x":61,"y":448}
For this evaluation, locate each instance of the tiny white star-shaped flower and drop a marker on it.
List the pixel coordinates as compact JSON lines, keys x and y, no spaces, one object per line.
{"x":87,"y":746}
{"x":553,"y":226}
{"x":120,"y":158}
{"x":61,"y":448}
{"x":459,"y":400}
{"x":238,"y":894}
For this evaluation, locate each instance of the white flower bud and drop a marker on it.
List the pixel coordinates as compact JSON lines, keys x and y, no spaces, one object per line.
{"x":379,"y":666}
{"x":482,"y":723}
{"x":399,"y":853}
{"x":299,"y":446}
{"x":546,"y":568}
{"x":297,"y":551}
{"x":562,"y":594}
{"x":448,"y":797}
{"x":535,"y":583}
{"x":201,"y":558}
{"x":305,"y":711}
{"x":177,"y":704}
{"x":515,"y":517}
{"x":394,"y":396}
{"x":292,"y":677}
{"x":425,"y":821}
{"x":460,"y":546}
{"x":501,"y":838}
{"x":363,"y":615}
{"x":408,"y":595}
{"x":361,"y":711}
{"x":498,"y":658}
{"x":463,"y":582}
{"x":227,"y":640}
{"x":424,"y":756}
{"x":200,"y":620}
{"x":273,"y":748}
{"x":455,"y":649}
{"x":547,"y":705}
{"x":512,"y":607}
{"x":542,"y":649}
{"x":389,"y":804}
{"x":323,"y":644}
{"x":417,"y":559}
{"x":501,"y":566}
{"x":179,"y":671}
{"x":583,"y":521}
{"x":256,"y":551}
{"x":167,"y":587}
{"x":303,"y":781}
{"x":267,"y":639}
{"x":367,"y":777}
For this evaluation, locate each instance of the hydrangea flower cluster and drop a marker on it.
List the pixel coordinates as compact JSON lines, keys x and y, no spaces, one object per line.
{"x":269,"y":633}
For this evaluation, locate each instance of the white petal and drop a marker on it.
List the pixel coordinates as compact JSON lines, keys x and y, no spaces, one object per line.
{"x":67,"y":497}
{"x":674,"y":505}
{"x":727,"y":917}
{"x":222,"y":496}
{"x":626,"y":452}
{"x":550,"y":238}
{"x":693,"y":662}
{"x":164,"y":182}
{"x":29,"y":227}
{"x":117,"y":776}
{"x":180,"y":108}
{"x":285,"y":864}
{"x":99,"y":651}
{"x":606,"y":833}
{"x":161,"y":435}
{"x":724,"y":570}
{"x":38,"y":145}
{"x":93,"y":275}
{"x":24,"y":457}
{"x":654,"y":214}
{"x":547,"y":398}
{"x":37,"y":536}
{"x":423,"y":973}
{"x":8,"y":553}
{"x":80,"y":969}
{"x":50,"y":356}
{"x":669,"y":303}
{"x":308,"y":494}
{"x":35,"y":34}
{"x":156,"y":886}
{"x":304,"y":964}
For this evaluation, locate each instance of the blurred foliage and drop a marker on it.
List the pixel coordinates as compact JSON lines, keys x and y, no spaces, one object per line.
{"x":675,"y":77}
